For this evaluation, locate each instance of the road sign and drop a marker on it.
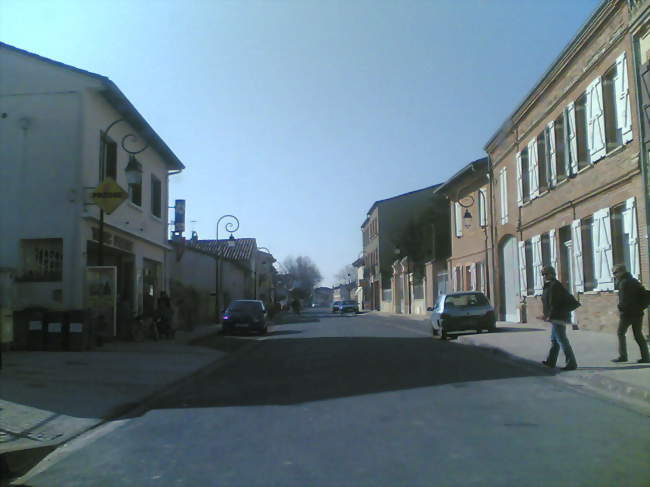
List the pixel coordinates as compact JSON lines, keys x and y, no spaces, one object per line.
{"x":109,"y":195}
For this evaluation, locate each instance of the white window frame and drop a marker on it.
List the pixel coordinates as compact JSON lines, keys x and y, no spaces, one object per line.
{"x":533,"y":169}
{"x":576,"y":241}
{"x":523,"y":283}
{"x":630,"y":226}
{"x":596,"y":142}
{"x":603,"y":258}
{"x":538,"y":284}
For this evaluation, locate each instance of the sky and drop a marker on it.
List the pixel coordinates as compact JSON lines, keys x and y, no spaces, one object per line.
{"x":297,"y":115}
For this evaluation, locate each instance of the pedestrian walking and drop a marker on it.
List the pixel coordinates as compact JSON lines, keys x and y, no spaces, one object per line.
{"x":630,"y":309}
{"x":556,"y":311}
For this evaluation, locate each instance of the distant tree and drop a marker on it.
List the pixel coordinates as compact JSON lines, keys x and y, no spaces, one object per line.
{"x":304,"y":273}
{"x":347,"y":273}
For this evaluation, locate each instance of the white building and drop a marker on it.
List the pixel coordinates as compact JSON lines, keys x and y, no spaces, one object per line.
{"x":55,"y":151}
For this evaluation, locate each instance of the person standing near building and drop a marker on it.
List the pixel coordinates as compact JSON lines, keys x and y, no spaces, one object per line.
{"x":554,"y":302}
{"x":630,"y":311}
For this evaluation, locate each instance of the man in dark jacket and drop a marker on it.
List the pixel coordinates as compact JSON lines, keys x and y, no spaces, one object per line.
{"x":554,"y":299}
{"x":630,"y":313}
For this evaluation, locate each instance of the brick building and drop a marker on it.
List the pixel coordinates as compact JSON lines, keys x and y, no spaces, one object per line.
{"x":567,"y":177}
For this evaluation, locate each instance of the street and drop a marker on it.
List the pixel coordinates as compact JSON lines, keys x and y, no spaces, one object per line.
{"x":363,"y":400}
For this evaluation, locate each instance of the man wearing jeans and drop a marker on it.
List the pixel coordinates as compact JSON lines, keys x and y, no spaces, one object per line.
{"x":554,"y":302}
{"x":631,"y":313}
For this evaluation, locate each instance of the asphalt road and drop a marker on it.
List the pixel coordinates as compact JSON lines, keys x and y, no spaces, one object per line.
{"x":365,"y":401}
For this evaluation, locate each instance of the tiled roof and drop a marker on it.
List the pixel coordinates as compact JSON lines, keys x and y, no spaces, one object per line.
{"x":242,"y":251}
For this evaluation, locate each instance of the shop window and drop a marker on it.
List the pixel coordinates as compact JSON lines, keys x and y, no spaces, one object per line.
{"x":42,"y":259}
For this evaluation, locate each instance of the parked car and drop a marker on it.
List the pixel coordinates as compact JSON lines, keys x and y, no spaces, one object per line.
{"x":349,"y":307}
{"x":336,"y":306}
{"x":462,"y":311}
{"x":248,"y":314}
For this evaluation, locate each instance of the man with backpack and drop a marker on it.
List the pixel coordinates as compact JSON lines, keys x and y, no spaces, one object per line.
{"x":631,"y":303}
{"x":556,"y":306}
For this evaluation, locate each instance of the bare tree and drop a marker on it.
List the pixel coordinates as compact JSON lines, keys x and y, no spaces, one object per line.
{"x":305,"y":274}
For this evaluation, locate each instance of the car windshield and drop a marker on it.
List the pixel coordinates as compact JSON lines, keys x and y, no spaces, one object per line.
{"x":245,"y":306}
{"x":349,"y":302}
{"x":467,"y":300}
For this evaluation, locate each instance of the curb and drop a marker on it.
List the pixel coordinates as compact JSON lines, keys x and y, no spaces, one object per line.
{"x":598,"y":383}
{"x":14,"y":464}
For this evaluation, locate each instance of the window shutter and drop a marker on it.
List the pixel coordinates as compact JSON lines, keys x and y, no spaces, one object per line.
{"x":551,"y":247}
{"x":621,"y":90}
{"x":576,"y":239}
{"x":482,"y":277}
{"x":504,"y":195}
{"x":597,"y":246}
{"x":550,"y":138}
{"x":595,"y":121}
{"x":523,"y":286}
{"x":472,"y":276}
{"x":520,"y":187}
{"x":537,"y":264}
{"x":482,"y":204}
{"x":533,"y":169}
{"x":572,"y":143}
{"x":631,"y":229}
{"x":453,"y":279}
{"x":605,"y":278}
{"x":458,"y":219}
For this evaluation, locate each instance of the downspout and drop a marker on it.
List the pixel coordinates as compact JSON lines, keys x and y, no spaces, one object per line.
{"x":492,"y":228}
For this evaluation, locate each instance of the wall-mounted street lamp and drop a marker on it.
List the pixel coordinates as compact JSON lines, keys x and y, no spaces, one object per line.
{"x":133,"y":172}
{"x":230,"y":226}
{"x":467,"y":223}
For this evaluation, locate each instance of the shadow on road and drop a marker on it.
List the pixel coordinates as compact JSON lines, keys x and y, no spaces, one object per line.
{"x":288,"y":371}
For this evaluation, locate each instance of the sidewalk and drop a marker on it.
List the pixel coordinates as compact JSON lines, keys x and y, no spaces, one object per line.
{"x":47,"y":398}
{"x":629,"y":382}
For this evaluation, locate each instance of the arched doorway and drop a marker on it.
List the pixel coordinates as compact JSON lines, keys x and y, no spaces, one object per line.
{"x":509,"y":287}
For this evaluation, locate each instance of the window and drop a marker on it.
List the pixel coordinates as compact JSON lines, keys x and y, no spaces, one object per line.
{"x":542,"y":166}
{"x":581,"y":132}
{"x":530,"y":277}
{"x":620,"y":238}
{"x":560,"y":149}
{"x":135,"y":187}
{"x":525,"y":176}
{"x":156,"y":197}
{"x":503,"y":188}
{"x":42,"y":259}
{"x":546,"y":250}
{"x":107,"y":158}
{"x":586,"y":234}
{"x":458,"y":219}
{"x":612,"y":133}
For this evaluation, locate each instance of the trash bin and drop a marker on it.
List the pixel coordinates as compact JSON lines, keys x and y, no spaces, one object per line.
{"x":54,"y":330}
{"x":78,"y":331}
{"x":36,"y":333}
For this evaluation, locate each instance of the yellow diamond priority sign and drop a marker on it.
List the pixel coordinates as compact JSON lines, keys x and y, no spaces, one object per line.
{"x":109,"y":195}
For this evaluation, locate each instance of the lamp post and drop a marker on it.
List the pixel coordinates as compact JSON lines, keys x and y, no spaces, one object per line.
{"x":231,"y":227}
{"x":467,"y":223}
{"x":133,"y":170}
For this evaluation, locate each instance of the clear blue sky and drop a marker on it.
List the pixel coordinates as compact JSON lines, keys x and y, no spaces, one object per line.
{"x":297,"y":115}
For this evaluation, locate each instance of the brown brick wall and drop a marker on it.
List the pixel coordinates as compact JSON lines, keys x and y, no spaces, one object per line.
{"x":597,"y":313}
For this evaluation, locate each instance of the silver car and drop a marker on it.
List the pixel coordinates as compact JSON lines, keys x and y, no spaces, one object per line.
{"x":462,"y":311}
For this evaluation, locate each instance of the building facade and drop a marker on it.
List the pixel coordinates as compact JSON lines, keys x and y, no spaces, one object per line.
{"x":64,"y":131}
{"x":567,"y":177}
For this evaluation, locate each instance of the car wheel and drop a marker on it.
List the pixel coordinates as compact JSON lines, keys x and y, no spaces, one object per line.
{"x":264,"y":330}
{"x":226,"y":330}
{"x":443,"y":333}
{"x":492,"y":329}
{"x":478,"y":331}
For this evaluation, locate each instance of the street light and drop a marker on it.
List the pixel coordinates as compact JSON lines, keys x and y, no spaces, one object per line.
{"x":133,"y":170}
{"x":467,"y":223}
{"x":231,"y":226}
